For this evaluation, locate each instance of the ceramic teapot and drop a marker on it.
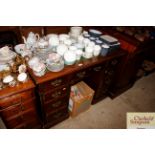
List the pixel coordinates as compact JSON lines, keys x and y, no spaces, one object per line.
{"x":31,"y":39}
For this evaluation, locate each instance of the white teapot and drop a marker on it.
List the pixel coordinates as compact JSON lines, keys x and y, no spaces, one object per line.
{"x":31,"y":39}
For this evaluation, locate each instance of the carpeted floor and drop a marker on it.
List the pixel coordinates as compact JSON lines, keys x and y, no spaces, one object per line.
{"x":111,"y":114}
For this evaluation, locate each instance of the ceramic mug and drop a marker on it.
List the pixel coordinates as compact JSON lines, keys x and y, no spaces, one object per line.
{"x":78,"y":54}
{"x":105,"y":49}
{"x":97,"y":50}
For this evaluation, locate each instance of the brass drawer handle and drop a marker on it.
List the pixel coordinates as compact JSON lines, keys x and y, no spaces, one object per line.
{"x":22,"y":108}
{"x":56,"y":82}
{"x":105,"y":71}
{"x":57,"y":104}
{"x":111,"y":72}
{"x":56,"y":94}
{"x":97,"y":69}
{"x":81,"y":74}
{"x":114,"y":62}
{"x":57,"y":115}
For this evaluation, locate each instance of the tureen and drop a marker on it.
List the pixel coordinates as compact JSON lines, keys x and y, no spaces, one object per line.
{"x":6,"y":55}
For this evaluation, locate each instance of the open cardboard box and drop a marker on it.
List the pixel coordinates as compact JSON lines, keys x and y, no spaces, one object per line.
{"x":81,"y":97}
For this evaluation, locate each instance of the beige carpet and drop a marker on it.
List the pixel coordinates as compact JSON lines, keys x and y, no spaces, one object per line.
{"x":110,"y":114}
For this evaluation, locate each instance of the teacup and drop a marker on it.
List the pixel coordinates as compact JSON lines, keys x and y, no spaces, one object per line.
{"x":86,"y":41}
{"x":80,"y":39}
{"x":68,"y":42}
{"x":105,"y":49}
{"x":39,"y":69}
{"x":78,"y":54}
{"x":97,"y":50}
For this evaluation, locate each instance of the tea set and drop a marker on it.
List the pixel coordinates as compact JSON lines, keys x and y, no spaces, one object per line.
{"x":51,"y":52}
{"x":12,"y":68}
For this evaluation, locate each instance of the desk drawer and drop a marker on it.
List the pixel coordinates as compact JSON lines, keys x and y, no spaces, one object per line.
{"x":56,"y":105}
{"x":57,"y":93}
{"x":13,"y":111}
{"x":18,"y":120}
{"x":16,"y":99}
{"x":80,"y":76}
{"x":57,"y":115}
{"x":47,"y":86}
{"x":32,"y":124}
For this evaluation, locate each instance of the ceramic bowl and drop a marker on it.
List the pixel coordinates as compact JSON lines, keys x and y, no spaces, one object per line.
{"x":41,"y":73}
{"x":39,"y":70}
{"x":54,"y":57}
{"x":55,"y":66}
{"x":70,"y":58}
{"x":95,"y":33}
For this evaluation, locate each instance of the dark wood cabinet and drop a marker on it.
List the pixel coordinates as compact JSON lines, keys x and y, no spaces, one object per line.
{"x":53,"y":89}
{"x":128,"y":69}
{"x":18,"y":107}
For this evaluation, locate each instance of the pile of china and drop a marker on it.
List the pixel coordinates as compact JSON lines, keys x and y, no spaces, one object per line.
{"x":54,"y":51}
{"x":12,"y":68}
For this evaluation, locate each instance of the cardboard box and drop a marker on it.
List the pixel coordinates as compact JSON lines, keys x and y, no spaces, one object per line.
{"x":81,"y":97}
